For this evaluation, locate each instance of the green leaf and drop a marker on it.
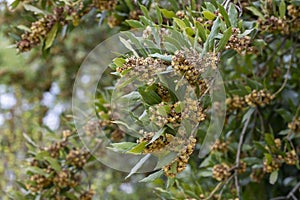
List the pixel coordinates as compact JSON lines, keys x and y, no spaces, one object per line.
{"x":24,"y":28}
{"x":157,"y":135}
{"x":269,"y":138}
{"x":149,"y":95}
{"x":208,"y":15}
{"x":224,"y":14}
{"x":29,"y":140}
{"x":167,"y":58}
{"x":256,"y":12}
{"x":138,"y":148}
{"x":248,"y":114}
{"x":152,"y":176}
{"x":213,"y":33}
{"x":51,"y":36}
{"x":168,"y":13}
{"x":14,"y":4}
{"x":282,"y":9}
{"x":224,"y":39}
{"x":285,"y":114}
{"x":134,"y":23}
{"x":35,"y":10}
{"x":260,"y":146}
{"x":273,"y":177}
{"x":180,"y":23}
{"x":201,"y":31}
{"x":159,"y":16}
{"x":119,"y":62}
{"x":269,"y":158}
{"x":36,"y":170}
{"x":138,"y":165}
{"x":145,"y":11}
{"x":171,"y":181}
{"x":233,"y":15}
{"x":123,"y":146}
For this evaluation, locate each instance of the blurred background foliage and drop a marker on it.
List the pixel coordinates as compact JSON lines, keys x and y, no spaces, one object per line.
{"x":36,"y":88}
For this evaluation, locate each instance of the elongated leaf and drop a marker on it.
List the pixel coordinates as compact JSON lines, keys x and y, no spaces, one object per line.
{"x":119,"y":62}
{"x":152,"y":176}
{"x":36,"y":170}
{"x":273,"y":177}
{"x":53,"y":163}
{"x":167,"y":58}
{"x":138,"y":148}
{"x":14,"y":4}
{"x":128,"y":46}
{"x":233,"y":15}
{"x":134,"y":23}
{"x":168,"y":13}
{"x":180,"y":23}
{"x":256,"y":12}
{"x":282,"y":9}
{"x":224,"y":39}
{"x":159,"y":16}
{"x":145,"y":11}
{"x":138,"y":165}
{"x":201,"y":31}
{"x":248,"y":114}
{"x":157,"y":135}
{"x":208,"y":15}
{"x":123,"y":146}
{"x":34,"y":9}
{"x":29,"y":140}
{"x":224,"y":14}
{"x":51,"y":36}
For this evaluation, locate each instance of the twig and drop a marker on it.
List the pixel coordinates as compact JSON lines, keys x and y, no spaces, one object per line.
{"x":214,"y":191}
{"x":227,"y":181}
{"x":290,"y":194}
{"x":238,"y":155}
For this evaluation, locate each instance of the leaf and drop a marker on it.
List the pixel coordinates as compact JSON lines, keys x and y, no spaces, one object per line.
{"x":157,"y":135}
{"x":273,"y":177}
{"x":134,"y":23}
{"x":34,"y":9}
{"x":233,"y":15}
{"x":224,"y":14}
{"x":214,"y":31}
{"x":168,"y":13}
{"x":256,"y":12}
{"x":128,"y":46}
{"x":159,"y":17}
{"x":285,"y":114}
{"x":36,"y":170}
{"x":201,"y":31}
{"x":180,"y":23}
{"x":248,"y":114}
{"x":138,"y":148}
{"x":29,"y":140}
{"x":145,"y":11}
{"x":209,"y":15}
{"x":282,"y":9}
{"x":152,"y":176}
{"x":14,"y":4}
{"x":51,"y":36}
{"x":119,"y":61}
{"x":138,"y":165}
{"x":123,"y":146}
{"x":260,"y":146}
{"x":149,"y":95}
{"x":224,"y":39}
{"x":269,"y":138}
{"x":167,"y":58}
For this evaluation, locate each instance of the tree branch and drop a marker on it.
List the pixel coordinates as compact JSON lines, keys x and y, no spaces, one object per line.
{"x":238,"y":155}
